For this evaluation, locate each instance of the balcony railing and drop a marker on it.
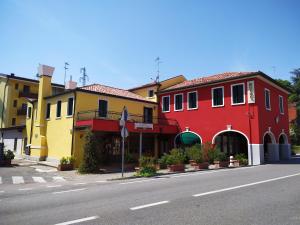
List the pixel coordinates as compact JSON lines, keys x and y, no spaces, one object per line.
{"x":135,"y":118}
{"x":28,"y":95}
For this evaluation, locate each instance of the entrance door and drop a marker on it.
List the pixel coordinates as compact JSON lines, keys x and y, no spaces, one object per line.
{"x":148,"y":113}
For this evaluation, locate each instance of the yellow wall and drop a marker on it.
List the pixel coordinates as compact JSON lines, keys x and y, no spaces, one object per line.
{"x":143,"y":91}
{"x":59,"y":130}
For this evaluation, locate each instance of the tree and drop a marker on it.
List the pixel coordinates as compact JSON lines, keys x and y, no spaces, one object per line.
{"x":90,"y":162}
{"x":288,"y":85}
{"x":295,"y":97}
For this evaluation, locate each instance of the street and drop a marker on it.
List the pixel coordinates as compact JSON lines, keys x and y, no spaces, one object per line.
{"x":266,"y":194}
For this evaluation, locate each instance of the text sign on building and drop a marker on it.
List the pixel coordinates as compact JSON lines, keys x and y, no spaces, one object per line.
{"x":143,"y":126}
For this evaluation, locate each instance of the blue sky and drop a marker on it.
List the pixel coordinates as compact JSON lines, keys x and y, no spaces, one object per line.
{"x":117,"y":41}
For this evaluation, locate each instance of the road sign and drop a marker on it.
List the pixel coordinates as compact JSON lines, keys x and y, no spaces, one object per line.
{"x":124,"y":132}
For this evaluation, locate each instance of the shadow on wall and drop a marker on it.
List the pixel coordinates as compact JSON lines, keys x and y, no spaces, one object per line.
{"x":294,"y":160}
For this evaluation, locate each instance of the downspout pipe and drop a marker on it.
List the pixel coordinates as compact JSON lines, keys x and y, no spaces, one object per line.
{"x":73,"y":126}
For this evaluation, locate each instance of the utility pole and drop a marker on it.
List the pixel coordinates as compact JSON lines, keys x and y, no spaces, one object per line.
{"x":84,"y":77}
{"x":157,"y":60}
{"x":66,"y":68}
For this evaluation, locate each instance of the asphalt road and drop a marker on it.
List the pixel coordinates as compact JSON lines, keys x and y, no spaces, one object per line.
{"x":267,"y":194}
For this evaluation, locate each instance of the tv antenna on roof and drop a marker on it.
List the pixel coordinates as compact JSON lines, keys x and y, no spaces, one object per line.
{"x":84,"y":77}
{"x":66,"y":68}
{"x":157,"y":60}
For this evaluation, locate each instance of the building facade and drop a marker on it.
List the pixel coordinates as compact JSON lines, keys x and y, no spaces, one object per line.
{"x":240,"y":112}
{"x":15,"y":93}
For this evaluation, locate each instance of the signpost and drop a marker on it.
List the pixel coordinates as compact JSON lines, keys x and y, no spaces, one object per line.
{"x":124,"y":134}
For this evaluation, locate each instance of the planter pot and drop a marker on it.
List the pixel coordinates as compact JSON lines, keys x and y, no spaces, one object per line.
{"x":224,"y":164}
{"x":64,"y":167}
{"x":201,"y":166}
{"x":177,"y":168}
{"x":192,"y":162}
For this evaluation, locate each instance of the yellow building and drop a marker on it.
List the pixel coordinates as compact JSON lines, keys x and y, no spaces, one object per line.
{"x":57,"y":123}
{"x":15,"y":92}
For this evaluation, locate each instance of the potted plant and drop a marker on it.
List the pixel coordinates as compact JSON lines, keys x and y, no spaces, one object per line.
{"x":175,"y":160}
{"x":8,"y":156}
{"x":220,"y":159}
{"x":147,"y":167}
{"x":196,"y":159}
{"x":241,"y":159}
{"x":66,"y":163}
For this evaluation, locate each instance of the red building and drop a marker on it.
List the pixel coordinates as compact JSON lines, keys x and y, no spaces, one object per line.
{"x":241,"y":112}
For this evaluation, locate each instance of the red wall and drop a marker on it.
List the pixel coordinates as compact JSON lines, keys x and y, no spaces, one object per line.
{"x":207,"y":121}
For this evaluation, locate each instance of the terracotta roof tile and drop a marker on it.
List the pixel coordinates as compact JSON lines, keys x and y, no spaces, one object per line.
{"x":210,"y":79}
{"x":113,"y":91}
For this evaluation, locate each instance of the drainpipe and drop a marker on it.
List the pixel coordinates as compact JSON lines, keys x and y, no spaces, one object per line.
{"x":250,"y":134}
{"x":31,"y":126}
{"x":73,"y":126}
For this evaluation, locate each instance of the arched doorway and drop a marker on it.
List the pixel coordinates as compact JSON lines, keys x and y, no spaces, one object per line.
{"x":283,"y":141}
{"x":186,"y":139}
{"x":269,"y":140}
{"x":232,"y":142}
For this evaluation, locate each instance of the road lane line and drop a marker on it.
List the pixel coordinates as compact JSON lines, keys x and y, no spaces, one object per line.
{"x":145,"y":180}
{"x":17,"y":180}
{"x":25,"y":189}
{"x":0,"y":180}
{"x":101,"y":181}
{"x":58,"y":179}
{"x":72,"y":190}
{"x":245,"y":185}
{"x":79,"y":183}
{"x":148,"y":205}
{"x":1,"y":191}
{"x":38,"y":179}
{"x":52,"y":186}
{"x":78,"y":221}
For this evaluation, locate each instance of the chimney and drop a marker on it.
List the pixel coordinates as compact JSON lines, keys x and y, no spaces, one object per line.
{"x":12,"y":74}
{"x":70,"y":85}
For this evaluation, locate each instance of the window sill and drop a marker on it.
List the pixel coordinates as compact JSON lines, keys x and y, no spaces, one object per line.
{"x":70,"y":116}
{"x":165,"y":111}
{"x":217,"y":106}
{"x":243,"y":103}
{"x":192,"y":108}
{"x":58,"y":118}
{"x":178,"y":110}
{"x":268,"y":109}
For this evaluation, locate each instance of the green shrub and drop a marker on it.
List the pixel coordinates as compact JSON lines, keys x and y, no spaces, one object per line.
{"x":242,"y":158}
{"x":213,"y":154}
{"x":89,"y":163}
{"x":147,"y":161}
{"x":221,"y":156}
{"x":9,"y":155}
{"x":63,"y":161}
{"x":176,"y":157}
{"x":147,"y":171}
{"x":71,"y":159}
{"x":195,"y":153}
{"x":163,"y":161}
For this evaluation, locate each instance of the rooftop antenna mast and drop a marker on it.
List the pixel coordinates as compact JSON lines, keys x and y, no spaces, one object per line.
{"x":157,"y":60}
{"x":66,"y":68}
{"x":84,"y":77}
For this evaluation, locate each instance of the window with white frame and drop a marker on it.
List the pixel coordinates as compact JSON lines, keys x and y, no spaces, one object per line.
{"x":251,"y":91}
{"x":267,"y":99}
{"x":192,"y":98}
{"x":238,"y":94}
{"x":178,"y":102}
{"x":281,"y":109}
{"x":217,"y":96}
{"x":166,"y":103}
{"x":58,"y":109}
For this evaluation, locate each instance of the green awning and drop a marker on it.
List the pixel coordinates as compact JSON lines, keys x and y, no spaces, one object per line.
{"x":187,"y":138}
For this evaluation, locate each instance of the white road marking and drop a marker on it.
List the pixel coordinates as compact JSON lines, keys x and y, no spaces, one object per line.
{"x":25,"y":189}
{"x":149,"y":205}
{"x":58,"y":179}
{"x":72,"y":190}
{"x":141,"y":181}
{"x":0,"y":180}
{"x":245,"y":185}
{"x":79,"y":183}
{"x":52,"y":186}
{"x":17,"y":180}
{"x":38,"y":179}
{"x":1,"y":191}
{"x":101,"y":181}
{"x":79,"y":220}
